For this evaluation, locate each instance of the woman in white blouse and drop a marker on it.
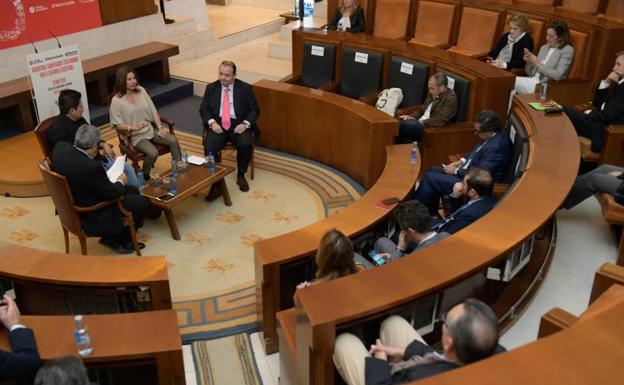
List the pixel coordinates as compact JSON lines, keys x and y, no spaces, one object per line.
{"x":133,"y":111}
{"x":553,"y":60}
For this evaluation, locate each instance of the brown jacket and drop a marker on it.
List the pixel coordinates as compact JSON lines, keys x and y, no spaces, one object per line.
{"x":443,"y":110}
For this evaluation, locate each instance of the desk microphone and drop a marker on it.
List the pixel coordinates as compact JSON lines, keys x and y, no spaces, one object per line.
{"x":55,"y":38}
{"x":33,"y":44}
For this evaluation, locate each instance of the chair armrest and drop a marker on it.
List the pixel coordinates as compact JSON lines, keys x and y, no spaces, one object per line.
{"x":518,"y":71}
{"x":169,"y":122}
{"x":98,"y":206}
{"x":331,"y":87}
{"x":124,"y":139}
{"x":613,"y":145}
{"x":443,"y":46}
{"x":292,"y":79}
{"x":480,"y":55}
{"x":369,"y":99}
{"x":406,"y":110}
{"x":555,"y":320}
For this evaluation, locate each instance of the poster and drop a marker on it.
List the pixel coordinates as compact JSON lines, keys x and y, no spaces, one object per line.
{"x":23,"y":20}
{"x":52,"y":71}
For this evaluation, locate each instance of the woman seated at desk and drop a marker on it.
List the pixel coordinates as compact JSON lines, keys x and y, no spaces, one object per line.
{"x":349,"y":17}
{"x":552,"y":62}
{"x":133,"y":111}
{"x":510,"y":49}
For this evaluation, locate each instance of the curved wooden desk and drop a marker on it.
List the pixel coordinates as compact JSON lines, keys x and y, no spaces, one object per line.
{"x":43,"y":278}
{"x":551,"y":170}
{"x":317,"y":125}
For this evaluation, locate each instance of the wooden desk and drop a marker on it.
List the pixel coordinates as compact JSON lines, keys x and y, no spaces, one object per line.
{"x":551,"y":170}
{"x":118,"y":340}
{"x":325,"y":122}
{"x":43,"y":280}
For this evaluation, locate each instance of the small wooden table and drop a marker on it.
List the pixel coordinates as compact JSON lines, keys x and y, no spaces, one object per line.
{"x":190,"y":182}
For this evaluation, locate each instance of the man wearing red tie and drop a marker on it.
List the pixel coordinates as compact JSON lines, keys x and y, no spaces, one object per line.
{"x":229,"y":111}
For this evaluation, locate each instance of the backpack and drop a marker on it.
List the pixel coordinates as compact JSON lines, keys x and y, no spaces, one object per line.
{"x":389,"y":99}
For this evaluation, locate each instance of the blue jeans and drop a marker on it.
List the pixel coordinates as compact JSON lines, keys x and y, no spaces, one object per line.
{"x":128,"y":170}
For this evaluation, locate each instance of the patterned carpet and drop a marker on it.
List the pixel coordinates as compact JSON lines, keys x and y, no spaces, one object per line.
{"x":211,"y":268}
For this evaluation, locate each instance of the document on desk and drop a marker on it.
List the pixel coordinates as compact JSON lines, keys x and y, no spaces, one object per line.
{"x":116,"y":169}
{"x":196,"y":160}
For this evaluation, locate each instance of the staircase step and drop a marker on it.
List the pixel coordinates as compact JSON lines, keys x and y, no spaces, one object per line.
{"x":280,"y":50}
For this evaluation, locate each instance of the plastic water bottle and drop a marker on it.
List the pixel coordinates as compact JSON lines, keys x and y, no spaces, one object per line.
{"x":543,"y":97}
{"x":210,"y":162}
{"x":308,"y":8}
{"x":83,"y":339}
{"x":414,"y":153}
{"x":173,"y":183}
{"x":185,"y":157}
{"x":141,"y":178}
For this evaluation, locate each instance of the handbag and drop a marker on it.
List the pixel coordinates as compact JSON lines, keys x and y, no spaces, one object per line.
{"x":389,"y":99}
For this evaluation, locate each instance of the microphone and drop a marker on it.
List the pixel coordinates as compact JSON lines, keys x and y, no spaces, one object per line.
{"x":55,"y":38}
{"x":33,"y":44}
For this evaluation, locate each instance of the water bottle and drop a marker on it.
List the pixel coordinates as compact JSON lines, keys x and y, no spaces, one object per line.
{"x":173,"y":183}
{"x":210,"y":162}
{"x":141,"y":178}
{"x":308,"y":8}
{"x":543,"y":97}
{"x":83,"y":339}
{"x":174,"y":165}
{"x":414,"y":153}
{"x":185,"y":157}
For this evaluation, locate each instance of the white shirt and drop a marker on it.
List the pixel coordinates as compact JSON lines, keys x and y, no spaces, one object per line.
{"x":344,"y":23}
{"x":427,"y":114}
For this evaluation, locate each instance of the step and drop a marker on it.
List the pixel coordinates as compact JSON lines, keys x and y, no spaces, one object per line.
{"x":280,"y":50}
{"x":182,"y":25}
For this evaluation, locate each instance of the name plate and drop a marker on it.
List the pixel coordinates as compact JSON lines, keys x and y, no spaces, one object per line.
{"x":407,"y":68}
{"x":317,"y":50}
{"x":361,"y":57}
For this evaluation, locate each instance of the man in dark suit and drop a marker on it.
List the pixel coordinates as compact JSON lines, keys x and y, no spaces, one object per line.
{"x":491,"y":153}
{"x":439,"y":108}
{"x":23,"y":359}
{"x":229,"y":111}
{"x":607,"y":107}
{"x":400,"y":355}
{"x":90,"y":185}
{"x":472,"y":198}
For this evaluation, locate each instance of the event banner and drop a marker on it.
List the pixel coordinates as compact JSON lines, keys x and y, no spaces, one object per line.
{"x":23,"y":20}
{"x":52,"y":71}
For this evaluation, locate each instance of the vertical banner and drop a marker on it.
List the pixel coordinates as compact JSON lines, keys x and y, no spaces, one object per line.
{"x":23,"y":20}
{"x":52,"y":71}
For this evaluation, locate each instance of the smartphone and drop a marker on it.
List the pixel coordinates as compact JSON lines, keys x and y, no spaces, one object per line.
{"x":390,"y":201}
{"x":165,"y":197}
{"x":377,"y":259}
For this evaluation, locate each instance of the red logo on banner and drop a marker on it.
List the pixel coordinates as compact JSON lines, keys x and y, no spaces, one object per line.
{"x":22,"y":20}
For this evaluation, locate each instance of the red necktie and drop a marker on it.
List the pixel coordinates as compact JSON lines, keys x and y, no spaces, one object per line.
{"x":225,"y":113}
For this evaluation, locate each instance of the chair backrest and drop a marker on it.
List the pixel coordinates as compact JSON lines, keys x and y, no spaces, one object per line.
{"x":582,"y":6}
{"x":478,"y":29}
{"x":434,"y":22}
{"x":461,"y":86}
{"x":519,"y":149}
{"x":615,"y":10}
{"x":580,"y":41}
{"x":319,"y":61}
{"x":41,"y":133}
{"x":361,"y":72}
{"x":411,"y":77}
{"x":62,"y":198}
{"x":551,"y":3}
{"x":391,"y":17}
{"x":537,"y":30}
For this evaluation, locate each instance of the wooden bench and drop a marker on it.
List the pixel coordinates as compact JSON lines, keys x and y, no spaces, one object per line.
{"x":124,"y":342}
{"x":47,"y":282}
{"x":149,"y":59}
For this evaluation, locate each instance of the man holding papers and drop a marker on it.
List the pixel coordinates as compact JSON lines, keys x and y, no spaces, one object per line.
{"x":89,"y":185}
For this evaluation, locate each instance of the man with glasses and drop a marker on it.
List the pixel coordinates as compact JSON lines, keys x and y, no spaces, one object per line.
{"x":491,"y":153}
{"x":469,"y":334}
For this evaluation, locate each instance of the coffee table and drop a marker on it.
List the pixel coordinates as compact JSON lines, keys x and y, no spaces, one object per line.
{"x":190,"y":182}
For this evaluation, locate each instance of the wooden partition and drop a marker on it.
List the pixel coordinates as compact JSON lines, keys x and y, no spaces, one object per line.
{"x":47,"y":282}
{"x":326,"y":309}
{"x":114,"y":11}
{"x":148,"y":341}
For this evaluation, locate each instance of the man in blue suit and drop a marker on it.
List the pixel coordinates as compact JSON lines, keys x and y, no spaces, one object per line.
{"x":491,"y":153}
{"x":473,"y":198}
{"x":23,"y":359}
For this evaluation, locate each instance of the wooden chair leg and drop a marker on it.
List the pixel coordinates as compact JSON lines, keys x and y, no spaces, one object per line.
{"x":620,"y":260}
{"x":83,"y":244}
{"x":253,"y":163}
{"x":66,"y":236}
{"x":133,"y":237}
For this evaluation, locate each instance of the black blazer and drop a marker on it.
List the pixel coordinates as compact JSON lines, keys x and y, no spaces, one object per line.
{"x":23,"y":360}
{"x":245,"y":104}
{"x":613,"y":113}
{"x":63,"y":129}
{"x":89,"y":185}
{"x":517,"y":51}
{"x":356,"y":19}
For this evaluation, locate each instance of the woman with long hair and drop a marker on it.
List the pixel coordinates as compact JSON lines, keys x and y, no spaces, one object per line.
{"x":349,"y":17}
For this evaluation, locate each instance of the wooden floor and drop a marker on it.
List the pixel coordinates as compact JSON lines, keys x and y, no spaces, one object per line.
{"x":19,"y":174}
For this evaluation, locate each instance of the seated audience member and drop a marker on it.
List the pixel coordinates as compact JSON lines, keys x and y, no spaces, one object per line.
{"x":133,"y":111}
{"x":68,"y":370}
{"x":509,"y":51}
{"x":334,"y":258}
{"x":234,"y":121}
{"x":491,"y":153}
{"x":64,"y":127}
{"x":349,"y":17}
{"x":400,"y":355}
{"x":439,"y":108}
{"x":607,"y":107}
{"x":553,"y":60}
{"x":90,"y":185}
{"x":472,"y":198}
{"x":23,"y":359}
{"x":605,"y":178}
{"x":415,"y":224}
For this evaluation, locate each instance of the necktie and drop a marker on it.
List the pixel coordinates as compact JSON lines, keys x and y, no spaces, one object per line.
{"x":225,"y":113}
